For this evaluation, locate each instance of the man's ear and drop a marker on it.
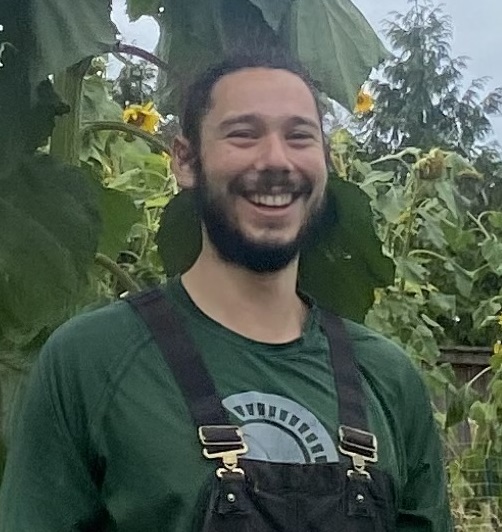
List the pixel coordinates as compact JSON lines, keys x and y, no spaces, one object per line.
{"x":182,"y":162}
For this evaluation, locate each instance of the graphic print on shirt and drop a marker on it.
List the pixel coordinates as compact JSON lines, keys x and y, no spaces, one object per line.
{"x":277,"y":429}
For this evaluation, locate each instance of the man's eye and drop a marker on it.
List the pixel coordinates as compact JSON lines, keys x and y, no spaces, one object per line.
{"x":242,"y":134}
{"x":300,"y":135}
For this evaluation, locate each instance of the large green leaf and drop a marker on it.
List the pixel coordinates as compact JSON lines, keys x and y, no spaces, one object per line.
{"x":44,"y":37}
{"x":337,"y":44}
{"x":340,"y":271}
{"x":343,"y":269}
{"x":179,"y":237}
{"x":97,"y":103}
{"x":67,"y":32}
{"x":331,"y":38}
{"x":443,"y":303}
{"x":50,"y":227}
{"x":118,"y":214}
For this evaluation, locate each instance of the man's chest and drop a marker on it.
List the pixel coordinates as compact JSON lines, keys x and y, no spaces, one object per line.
{"x":155,"y":469}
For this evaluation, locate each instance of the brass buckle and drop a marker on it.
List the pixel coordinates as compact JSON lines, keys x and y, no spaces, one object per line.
{"x":225,"y":442}
{"x":361,"y":446}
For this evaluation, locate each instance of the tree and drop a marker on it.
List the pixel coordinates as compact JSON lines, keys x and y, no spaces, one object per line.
{"x":420,"y":98}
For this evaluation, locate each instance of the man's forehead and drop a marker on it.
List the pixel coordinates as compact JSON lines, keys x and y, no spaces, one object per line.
{"x":262,"y":91}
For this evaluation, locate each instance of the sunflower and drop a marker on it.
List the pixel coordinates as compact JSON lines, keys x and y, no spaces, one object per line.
{"x":143,"y":116}
{"x":364,"y":103}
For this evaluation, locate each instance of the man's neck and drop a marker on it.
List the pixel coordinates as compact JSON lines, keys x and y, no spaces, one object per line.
{"x":263,"y":307}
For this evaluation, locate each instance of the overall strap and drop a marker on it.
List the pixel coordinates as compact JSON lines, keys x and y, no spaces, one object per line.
{"x":181,"y":355}
{"x":351,"y":403}
{"x":356,"y":441}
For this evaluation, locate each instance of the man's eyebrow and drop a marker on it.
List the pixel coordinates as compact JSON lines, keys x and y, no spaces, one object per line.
{"x":239,"y":119}
{"x":304,"y":121}
{"x":295,"y":120}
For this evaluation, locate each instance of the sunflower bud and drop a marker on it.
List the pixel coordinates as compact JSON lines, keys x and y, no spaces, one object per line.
{"x":431,"y":166}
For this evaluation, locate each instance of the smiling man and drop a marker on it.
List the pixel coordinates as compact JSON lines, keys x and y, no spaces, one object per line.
{"x":261,"y":184}
{"x":227,"y":400}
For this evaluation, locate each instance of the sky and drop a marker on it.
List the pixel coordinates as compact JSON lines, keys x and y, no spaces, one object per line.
{"x":477,"y":33}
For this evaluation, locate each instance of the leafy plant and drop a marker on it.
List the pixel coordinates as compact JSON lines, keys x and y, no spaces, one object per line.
{"x":447,"y":291}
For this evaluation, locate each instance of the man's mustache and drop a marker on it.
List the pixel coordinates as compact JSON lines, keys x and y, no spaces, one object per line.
{"x":268,"y":182}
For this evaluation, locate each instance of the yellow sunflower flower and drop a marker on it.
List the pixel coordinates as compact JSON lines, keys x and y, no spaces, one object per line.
{"x":143,"y":116}
{"x":364,"y":103}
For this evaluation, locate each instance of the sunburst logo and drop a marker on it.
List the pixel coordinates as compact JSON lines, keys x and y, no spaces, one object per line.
{"x":277,"y":429}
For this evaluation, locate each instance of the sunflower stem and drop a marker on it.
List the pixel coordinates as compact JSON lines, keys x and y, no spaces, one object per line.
{"x":89,"y":127}
{"x":129,"y":49}
{"x":122,"y":276}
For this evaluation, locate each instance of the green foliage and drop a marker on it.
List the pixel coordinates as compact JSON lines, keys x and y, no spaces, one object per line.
{"x":341,"y":65}
{"x":342,"y":269}
{"x":331,"y":38}
{"x":138,"y":185}
{"x":118,"y":215}
{"x":179,"y":218}
{"x":50,"y":227}
{"x":447,"y":291}
{"x":437,"y":245}
{"x":65,"y":33}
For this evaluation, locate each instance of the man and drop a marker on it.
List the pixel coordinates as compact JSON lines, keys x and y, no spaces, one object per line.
{"x":131,"y":415}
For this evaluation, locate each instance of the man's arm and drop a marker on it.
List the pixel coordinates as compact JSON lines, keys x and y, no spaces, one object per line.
{"x":47,"y":485}
{"x":424,"y":501}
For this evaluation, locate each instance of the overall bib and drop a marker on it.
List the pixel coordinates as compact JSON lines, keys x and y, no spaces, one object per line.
{"x":254,"y":496}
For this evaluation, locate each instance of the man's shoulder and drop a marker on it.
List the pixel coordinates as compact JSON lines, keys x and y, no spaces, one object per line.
{"x":390,"y":373}
{"x":380,"y":356}
{"x":96,"y":336}
{"x":368,"y":341}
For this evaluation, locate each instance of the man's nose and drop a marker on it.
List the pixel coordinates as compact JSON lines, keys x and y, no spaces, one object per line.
{"x":274,"y":154}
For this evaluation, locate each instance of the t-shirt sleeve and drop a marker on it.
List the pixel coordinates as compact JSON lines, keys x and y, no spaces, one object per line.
{"x":424,"y":502}
{"x":48,"y":484}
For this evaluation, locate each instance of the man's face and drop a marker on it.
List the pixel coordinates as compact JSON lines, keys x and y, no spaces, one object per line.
{"x":262,"y":168}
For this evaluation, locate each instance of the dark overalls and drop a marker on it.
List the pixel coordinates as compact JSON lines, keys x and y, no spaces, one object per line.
{"x":250,"y":495}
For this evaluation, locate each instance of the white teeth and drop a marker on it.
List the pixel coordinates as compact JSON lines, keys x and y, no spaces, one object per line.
{"x":270,"y":200}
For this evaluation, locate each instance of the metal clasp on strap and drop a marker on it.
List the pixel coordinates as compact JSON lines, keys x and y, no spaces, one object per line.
{"x":225,"y":442}
{"x":361,"y":446}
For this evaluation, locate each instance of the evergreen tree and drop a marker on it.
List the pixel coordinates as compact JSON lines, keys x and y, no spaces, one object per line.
{"x":421,"y":98}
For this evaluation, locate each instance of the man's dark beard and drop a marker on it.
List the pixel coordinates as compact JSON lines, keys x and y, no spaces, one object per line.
{"x":235,"y":248}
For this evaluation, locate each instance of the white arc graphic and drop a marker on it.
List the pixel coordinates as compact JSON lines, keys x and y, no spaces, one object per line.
{"x":277,"y":429}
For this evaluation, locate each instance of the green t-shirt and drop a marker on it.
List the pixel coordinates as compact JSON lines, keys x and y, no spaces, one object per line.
{"x":101,"y":398}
